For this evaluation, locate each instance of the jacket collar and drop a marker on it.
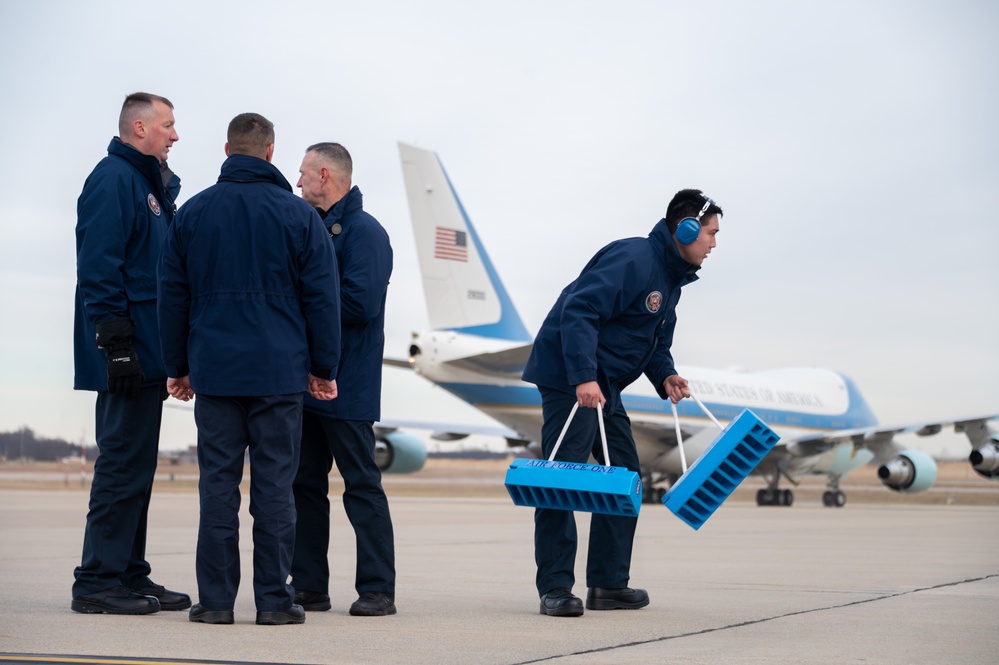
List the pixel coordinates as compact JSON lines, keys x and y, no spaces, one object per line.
{"x":245,"y":168}
{"x":150,"y":169}
{"x":676,"y":266}
{"x":344,"y":208}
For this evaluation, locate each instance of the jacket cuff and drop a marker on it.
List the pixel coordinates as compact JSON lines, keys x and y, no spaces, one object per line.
{"x":576,"y":377}
{"x":328,"y":373}
{"x":114,"y":332}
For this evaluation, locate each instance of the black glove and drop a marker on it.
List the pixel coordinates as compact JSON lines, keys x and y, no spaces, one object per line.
{"x":124,"y":373}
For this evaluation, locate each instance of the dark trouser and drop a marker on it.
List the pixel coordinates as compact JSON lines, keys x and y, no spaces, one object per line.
{"x":114,"y":543}
{"x":351,"y":443}
{"x":608,"y":560}
{"x":271,"y":428}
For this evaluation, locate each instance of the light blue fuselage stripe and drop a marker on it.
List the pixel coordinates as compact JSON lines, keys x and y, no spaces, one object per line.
{"x":857,"y":415}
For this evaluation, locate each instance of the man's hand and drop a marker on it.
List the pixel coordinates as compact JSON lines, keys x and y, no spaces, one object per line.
{"x":588,"y":394}
{"x":180,"y":388}
{"x":322,"y":389}
{"x":124,"y":373}
{"x":676,"y":388}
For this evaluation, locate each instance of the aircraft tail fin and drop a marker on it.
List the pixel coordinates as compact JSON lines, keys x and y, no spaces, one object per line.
{"x":462,"y":289}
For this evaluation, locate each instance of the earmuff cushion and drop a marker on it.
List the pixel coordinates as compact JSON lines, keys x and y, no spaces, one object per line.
{"x":687,"y":230}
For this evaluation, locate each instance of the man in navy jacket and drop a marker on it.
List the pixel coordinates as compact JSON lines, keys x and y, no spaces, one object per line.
{"x":612,"y":324}
{"x":342,"y":430}
{"x":249,"y":316}
{"x":122,"y":216}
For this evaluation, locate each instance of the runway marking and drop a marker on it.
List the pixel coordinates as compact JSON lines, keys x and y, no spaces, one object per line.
{"x":47,"y":659}
{"x":755,"y":621}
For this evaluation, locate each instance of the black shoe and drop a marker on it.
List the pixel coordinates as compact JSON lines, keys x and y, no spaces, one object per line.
{"x":561,"y":603}
{"x":373,"y":604}
{"x":616,"y":599}
{"x":117,"y":600}
{"x":294,"y":614}
{"x":169,"y":600}
{"x":313,"y":601}
{"x":199,"y":614}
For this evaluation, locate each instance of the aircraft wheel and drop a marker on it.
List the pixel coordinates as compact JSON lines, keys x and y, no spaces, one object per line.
{"x":787,"y":498}
{"x":761,"y":497}
{"x":831,"y":499}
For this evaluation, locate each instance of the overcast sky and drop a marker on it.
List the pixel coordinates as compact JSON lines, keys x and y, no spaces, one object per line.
{"x":852,"y":145}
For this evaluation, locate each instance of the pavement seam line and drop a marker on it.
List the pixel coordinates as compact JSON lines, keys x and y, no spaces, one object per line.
{"x":752,"y":622}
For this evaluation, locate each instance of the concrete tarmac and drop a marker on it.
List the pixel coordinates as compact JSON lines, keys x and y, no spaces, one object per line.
{"x":805,"y":584}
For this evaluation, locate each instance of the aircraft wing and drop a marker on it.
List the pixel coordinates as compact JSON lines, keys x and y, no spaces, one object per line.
{"x":878,"y":438}
{"x":505,"y":364}
{"x":508,"y":363}
{"x":661,"y":433}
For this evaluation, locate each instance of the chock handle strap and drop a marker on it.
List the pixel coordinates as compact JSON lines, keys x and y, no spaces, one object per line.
{"x":679,"y":439}
{"x":676,"y":424}
{"x":603,"y":434}
{"x":705,"y":410}
{"x":600,"y":425}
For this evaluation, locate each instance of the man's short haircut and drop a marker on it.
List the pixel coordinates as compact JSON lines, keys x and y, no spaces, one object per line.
{"x":336,"y":156}
{"x":136,"y":106}
{"x":688,"y":203}
{"x":250,"y":134}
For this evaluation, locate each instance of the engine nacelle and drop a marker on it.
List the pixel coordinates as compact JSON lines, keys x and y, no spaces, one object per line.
{"x":398,"y":452}
{"x":909,"y":471}
{"x":985,"y":460}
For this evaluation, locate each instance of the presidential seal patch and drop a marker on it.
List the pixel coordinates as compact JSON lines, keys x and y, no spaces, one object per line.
{"x":154,"y":205}
{"x":653,"y":301}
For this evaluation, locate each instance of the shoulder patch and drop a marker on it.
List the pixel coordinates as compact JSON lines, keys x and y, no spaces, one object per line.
{"x":653,"y":301}
{"x":154,"y":205}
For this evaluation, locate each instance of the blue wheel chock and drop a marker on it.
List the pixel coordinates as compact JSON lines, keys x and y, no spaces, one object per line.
{"x":591,"y":488}
{"x":719,"y":470}
{"x":559,"y":485}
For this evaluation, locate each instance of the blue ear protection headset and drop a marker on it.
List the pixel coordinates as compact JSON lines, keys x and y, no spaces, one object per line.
{"x":690,"y":227}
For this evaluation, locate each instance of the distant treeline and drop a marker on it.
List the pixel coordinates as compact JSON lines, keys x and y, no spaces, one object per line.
{"x":24,"y":444}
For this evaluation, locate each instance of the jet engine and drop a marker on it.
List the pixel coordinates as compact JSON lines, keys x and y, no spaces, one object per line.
{"x":398,"y":452}
{"x":909,"y":471}
{"x":985,"y":459}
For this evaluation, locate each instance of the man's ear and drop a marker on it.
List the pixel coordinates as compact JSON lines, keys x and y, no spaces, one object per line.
{"x":270,"y":152}
{"x":226,"y":148}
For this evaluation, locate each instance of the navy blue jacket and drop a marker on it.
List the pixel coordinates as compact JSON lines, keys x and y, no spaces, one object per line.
{"x":615,"y":321}
{"x":121,"y":219}
{"x":364,"y":256}
{"x":248,"y":293}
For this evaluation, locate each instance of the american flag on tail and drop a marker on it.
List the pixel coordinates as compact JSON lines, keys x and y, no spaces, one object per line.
{"x":451,"y":244}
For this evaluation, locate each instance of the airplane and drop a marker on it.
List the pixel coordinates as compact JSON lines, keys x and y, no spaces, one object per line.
{"x":478,"y":345}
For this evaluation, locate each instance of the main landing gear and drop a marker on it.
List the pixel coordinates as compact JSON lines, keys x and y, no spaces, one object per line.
{"x":833,"y":497}
{"x":774,"y":496}
{"x":651,"y":491}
